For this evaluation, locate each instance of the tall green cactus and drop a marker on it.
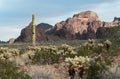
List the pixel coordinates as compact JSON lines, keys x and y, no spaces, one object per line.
{"x":33,"y":30}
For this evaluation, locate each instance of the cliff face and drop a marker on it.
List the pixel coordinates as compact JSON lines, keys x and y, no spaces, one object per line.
{"x":26,"y":33}
{"x":79,"y":22}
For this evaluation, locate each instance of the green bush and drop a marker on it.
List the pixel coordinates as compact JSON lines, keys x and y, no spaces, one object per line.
{"x":98,"y":66}
{"x":9,"y":71}
{"x":53,"y":54}
{"x":45,"y":57}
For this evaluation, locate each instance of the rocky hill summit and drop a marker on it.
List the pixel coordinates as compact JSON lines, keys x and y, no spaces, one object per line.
{"x":81,"y":26}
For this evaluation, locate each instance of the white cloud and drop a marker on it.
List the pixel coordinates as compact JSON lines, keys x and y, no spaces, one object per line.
{"x":56,"y":19}
{"x":107,"y":11}
{"x":8,"y":32}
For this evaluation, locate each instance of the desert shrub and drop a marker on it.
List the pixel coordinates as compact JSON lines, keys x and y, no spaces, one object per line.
{"x":29,"y":48}
{"x":45,"y":57}
{"x":53,"y":54}
{"x":88,"y":67}
{"x":114,"y":71}
{"x":81,"y":51}
{"x":77,"y":64}
{"x":107,"y":44}
{"x":9,"y":71}
{"x":6,"y":53}
{"x":99,"y":64}
{"x":66,"y":51}
{"x":87,"y":48}
{"x":91,"y":47}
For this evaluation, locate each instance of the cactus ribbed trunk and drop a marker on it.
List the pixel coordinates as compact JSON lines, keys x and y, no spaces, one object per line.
{"x":33,"y":31}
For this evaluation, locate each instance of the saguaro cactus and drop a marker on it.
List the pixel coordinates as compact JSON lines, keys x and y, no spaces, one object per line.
{"x":33,"y":30}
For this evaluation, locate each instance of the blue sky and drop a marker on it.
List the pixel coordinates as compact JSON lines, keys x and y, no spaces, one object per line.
{"x":16,"y":14}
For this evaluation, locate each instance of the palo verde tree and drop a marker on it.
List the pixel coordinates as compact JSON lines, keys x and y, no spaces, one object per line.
{"x":33,"y":30}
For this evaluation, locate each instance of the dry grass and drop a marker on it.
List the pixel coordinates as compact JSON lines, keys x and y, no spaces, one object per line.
{"x":113,"y":73}
{"x":46,"y":72}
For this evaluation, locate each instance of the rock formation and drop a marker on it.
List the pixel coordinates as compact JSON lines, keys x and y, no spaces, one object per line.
{"x":83,"y":25}
{"x":26,"y":33}
{"x":116,"y":21}
{"x":11,"y":40}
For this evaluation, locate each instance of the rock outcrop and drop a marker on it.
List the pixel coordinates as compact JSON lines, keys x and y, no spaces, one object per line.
{"x":26,"y":33}
{"x":83,"y":26}
{"x":11,"y":40}
{"x":116,"y":21}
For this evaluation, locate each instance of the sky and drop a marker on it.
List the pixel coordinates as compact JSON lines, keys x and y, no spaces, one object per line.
{"x":16,"y":14}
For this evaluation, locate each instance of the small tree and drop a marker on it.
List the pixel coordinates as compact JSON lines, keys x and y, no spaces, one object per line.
{"x":33,"y":30}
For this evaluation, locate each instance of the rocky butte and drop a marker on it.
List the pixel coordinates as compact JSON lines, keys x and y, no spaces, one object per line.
{"x":83,"y":25}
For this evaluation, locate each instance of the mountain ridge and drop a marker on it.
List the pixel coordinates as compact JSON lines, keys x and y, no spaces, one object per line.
{"x":83,"y":25}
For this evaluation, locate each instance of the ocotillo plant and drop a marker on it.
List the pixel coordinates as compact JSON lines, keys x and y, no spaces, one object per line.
{"x":33,"y":30}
